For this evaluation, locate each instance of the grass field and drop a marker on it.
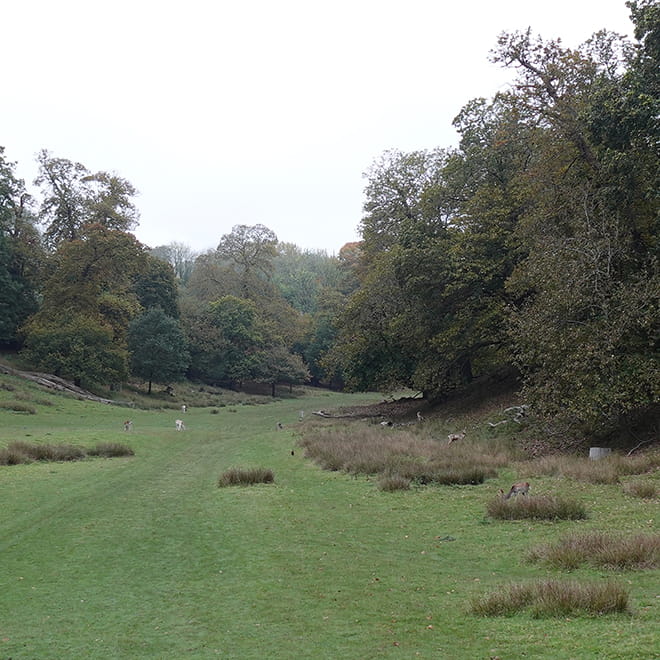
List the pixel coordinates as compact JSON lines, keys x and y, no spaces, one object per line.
{"x":145,"y":557}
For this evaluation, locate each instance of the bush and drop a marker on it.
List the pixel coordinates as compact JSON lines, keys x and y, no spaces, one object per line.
{"x":43,"y":452}
{"x":110,"y":450}
{"x":245,"y":477}
{"x":535,"y":507}
{"x":641,"y":551}
{"x":554,"y":598}
{"x":644,"y":489}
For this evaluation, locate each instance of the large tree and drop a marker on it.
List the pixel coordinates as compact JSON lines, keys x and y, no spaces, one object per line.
{"x":74,"y":197}
{"x":158,"y":347}
{"x":21,"y":254}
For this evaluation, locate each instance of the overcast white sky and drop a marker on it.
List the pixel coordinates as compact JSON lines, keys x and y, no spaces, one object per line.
{"x":255,"y":111}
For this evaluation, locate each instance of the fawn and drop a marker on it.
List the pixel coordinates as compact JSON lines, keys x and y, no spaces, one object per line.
{"x":520,"y":487}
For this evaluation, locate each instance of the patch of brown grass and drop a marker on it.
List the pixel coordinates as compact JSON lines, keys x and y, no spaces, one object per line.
{"x":535,"y":507}
{"x":607,"y":470}
{"x":548,"y":598}
{"x":371,"y":450}
{"x":641,"y":551}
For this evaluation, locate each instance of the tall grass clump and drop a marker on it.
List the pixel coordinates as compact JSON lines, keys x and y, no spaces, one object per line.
{"x":550,"y":598}
{"x":110,"y":450}
{"x":401,"y":453}
{"x":393,"y":482}
{"x":536,"y":507}
{"x":641,"y":551}
{"x":246,"y":477}
{"x":12,"y":456}
{"x":607,"y":470}
{"x":19,"y":407}
{"x":46,"y":452}
{"x":644,"y":489}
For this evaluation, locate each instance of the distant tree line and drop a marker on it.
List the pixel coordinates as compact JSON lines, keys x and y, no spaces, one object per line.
{"x":530,"y":248}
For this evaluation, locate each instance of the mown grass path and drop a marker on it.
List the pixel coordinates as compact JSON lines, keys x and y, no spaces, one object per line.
{"x":145,"y":557}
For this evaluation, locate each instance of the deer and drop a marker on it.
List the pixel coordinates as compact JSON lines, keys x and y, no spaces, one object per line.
{"x":184,"y":408}
{"x":180,"y":426}
{"x":453,"y":437}
{"x":128,"y":425}
{"x":521,"y":487}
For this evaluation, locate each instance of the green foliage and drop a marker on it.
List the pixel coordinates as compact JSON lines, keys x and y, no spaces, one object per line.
{"x":81,"y":349}
{"x":158,"y":347}
{"x":74,"y":197}
{"x":156,"y":287}
{"x":88,"y":301}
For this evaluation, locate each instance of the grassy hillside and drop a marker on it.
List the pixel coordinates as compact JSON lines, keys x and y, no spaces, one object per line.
{"x":145,"y":557}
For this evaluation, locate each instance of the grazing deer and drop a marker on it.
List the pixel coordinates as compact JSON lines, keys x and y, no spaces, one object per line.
{"x":453,"y":437}
{"x":520,"y":487}
{"x":180,"y":426}
{"x":279,"y":426}
{"x":128,"y":425}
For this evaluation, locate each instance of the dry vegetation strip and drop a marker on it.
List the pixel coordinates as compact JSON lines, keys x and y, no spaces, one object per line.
{"x":604,"y":471}
{"x":402,"y":457}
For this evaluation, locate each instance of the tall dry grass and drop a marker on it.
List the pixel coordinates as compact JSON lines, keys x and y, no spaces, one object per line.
{"x":607,"y":470}
{"x":402,"y":455}
{"x":639,"y":551}
{"x":536,"y":507}
{"x":554,"y":598}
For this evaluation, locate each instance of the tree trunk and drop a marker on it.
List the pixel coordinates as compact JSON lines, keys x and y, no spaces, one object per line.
{"x":149,"y":392}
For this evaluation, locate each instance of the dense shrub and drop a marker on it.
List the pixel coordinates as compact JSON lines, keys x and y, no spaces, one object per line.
{"x":110,"y":450}
{"x":245,"y":477}
{"x":554,"y":598}
{"x":603,"y":550}
{"x":536,"y":507}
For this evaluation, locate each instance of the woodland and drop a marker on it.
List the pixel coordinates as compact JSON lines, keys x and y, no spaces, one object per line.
{"x":527,"y":252}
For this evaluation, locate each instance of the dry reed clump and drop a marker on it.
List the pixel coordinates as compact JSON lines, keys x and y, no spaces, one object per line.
{"x":393,"y":482}
{"x":644,"y":489}
{"x":607,"y":470}
{"x":554,"y":598}
{"x":401,"y":453}
{"x":110,"y":450}
{"x":535,"y":507}
{"x":19,"y":452}
{"x":641,"y":551}
{"x":46,"y":452}
{"x":245,"y":477}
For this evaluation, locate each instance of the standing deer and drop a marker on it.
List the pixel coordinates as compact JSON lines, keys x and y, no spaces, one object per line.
{"x":180,"y":426}
{"x":521,"y":487}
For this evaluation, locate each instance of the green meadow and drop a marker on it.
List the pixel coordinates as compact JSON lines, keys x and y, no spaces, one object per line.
{"x":146,"y":557}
